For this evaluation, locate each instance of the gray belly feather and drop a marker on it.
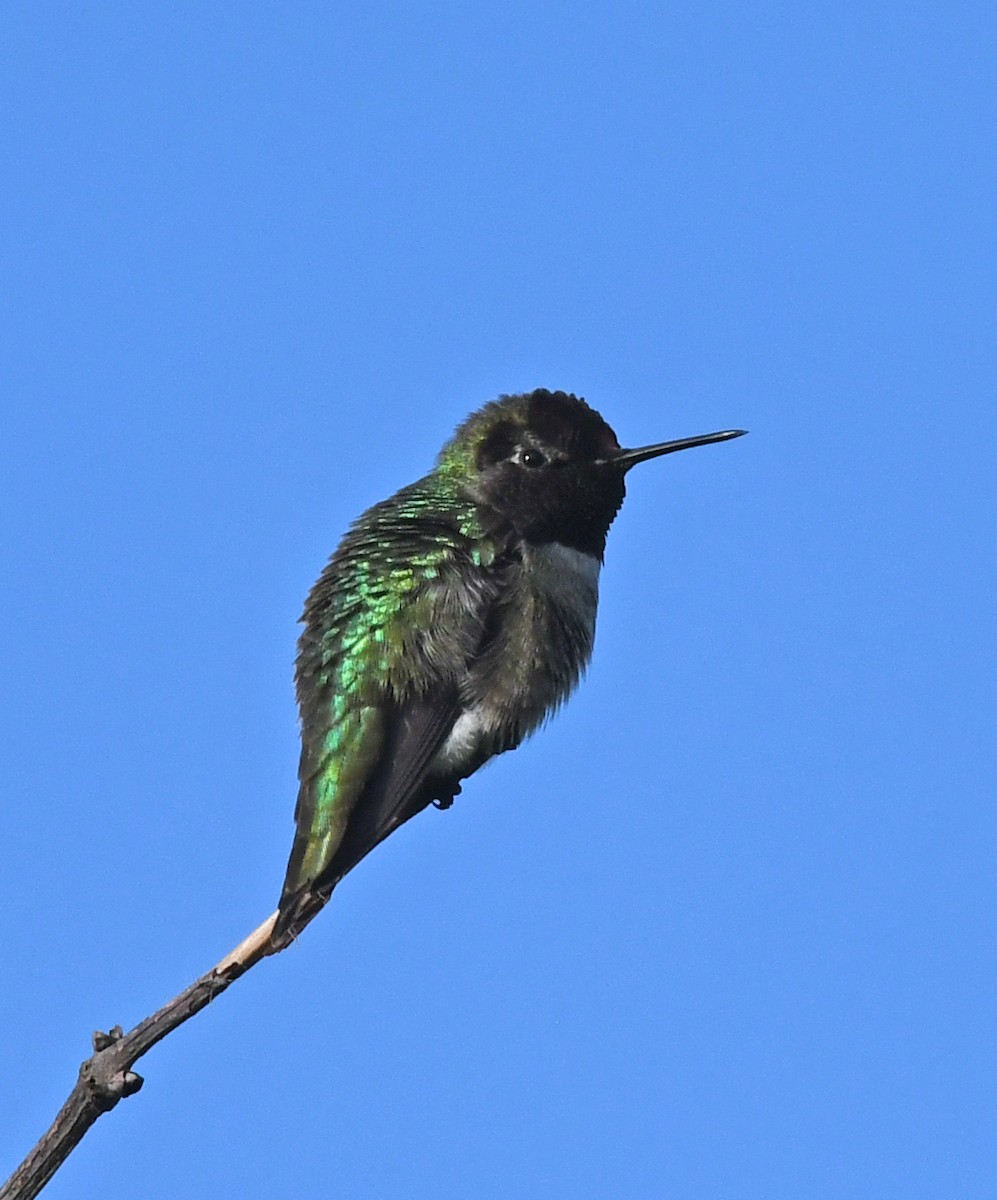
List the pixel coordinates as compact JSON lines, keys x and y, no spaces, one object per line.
{"x":544,"y":642}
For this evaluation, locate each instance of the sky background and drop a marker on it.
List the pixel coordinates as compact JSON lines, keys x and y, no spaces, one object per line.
{"x":726,"y":928}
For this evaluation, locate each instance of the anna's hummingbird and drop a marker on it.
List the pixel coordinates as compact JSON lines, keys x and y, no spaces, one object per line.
{"x":453,"y":618}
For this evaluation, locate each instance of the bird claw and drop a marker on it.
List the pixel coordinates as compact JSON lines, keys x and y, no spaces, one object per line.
{"x":442,"y":802}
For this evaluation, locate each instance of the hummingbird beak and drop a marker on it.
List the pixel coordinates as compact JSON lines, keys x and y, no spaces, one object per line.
{"x":629,"y":458}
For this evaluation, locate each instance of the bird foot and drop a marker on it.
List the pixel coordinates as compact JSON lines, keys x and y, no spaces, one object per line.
{"x":442,"y":802}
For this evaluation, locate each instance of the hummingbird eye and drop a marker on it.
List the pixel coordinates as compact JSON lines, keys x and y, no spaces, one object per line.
{"x":528,"y":457}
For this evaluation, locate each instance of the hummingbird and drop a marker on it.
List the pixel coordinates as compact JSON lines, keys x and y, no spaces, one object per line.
{"x":453,"y":619}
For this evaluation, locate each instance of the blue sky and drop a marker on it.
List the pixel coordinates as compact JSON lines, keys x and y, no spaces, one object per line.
{"x":725,"y":929}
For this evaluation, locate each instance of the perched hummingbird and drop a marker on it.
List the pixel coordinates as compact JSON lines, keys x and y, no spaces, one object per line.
{"x":453,"y":618}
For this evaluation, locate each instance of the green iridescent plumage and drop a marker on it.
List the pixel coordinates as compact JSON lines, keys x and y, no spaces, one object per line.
{"x":384,"y":624}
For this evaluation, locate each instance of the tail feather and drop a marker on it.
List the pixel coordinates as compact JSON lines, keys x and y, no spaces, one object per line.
{"x":296,"y":909}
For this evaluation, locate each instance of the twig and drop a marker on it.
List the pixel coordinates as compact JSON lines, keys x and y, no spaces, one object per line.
{"x":107,"y":1076}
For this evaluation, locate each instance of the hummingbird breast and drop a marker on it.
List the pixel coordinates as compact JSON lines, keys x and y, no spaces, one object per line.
{"x":538,"y":641}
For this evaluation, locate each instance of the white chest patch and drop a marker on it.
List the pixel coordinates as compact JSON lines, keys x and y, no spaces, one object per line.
{"x":569,"y":578}
{"x":470,"y":729}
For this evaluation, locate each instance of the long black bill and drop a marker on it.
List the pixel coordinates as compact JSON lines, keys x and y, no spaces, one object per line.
{"x":629,"y":458}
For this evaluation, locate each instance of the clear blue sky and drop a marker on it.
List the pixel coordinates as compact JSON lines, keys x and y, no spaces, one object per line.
{"x":725,"y":930}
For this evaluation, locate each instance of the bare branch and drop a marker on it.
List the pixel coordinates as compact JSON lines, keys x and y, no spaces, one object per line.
{"x":107,"y":1076}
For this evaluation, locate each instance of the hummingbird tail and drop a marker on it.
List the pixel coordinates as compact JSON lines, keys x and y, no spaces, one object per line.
{"x":296,"y":910}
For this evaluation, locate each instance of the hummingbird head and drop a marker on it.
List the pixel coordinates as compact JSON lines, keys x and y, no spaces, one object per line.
{"x":547,"y":468}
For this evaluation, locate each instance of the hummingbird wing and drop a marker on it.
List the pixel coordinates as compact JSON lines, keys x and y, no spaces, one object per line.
{"x":357,"y":797}
{"x":378,"y":674}
{"x":398,"y":788}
